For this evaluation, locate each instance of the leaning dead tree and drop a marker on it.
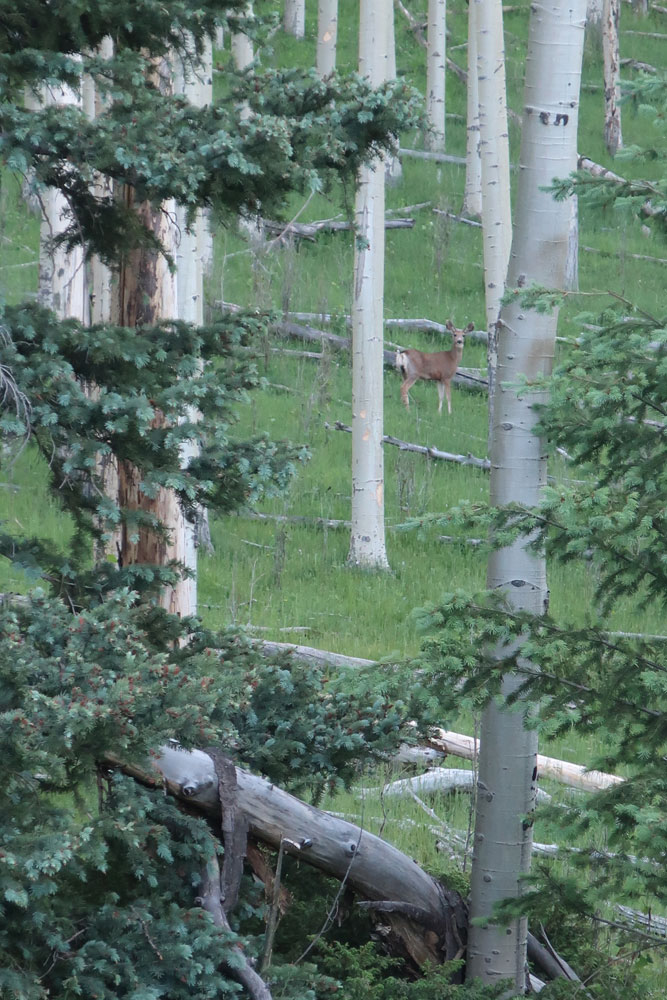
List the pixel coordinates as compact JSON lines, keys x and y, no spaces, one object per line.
{"x":418,"y":917}
{"x":421,"y":919}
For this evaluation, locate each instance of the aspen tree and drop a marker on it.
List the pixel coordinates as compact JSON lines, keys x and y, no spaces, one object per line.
{"x":327,"y":35}
{"x":435,"y":74}
{"x":294,"y":18}
{"x":367,"y":539}
{"x":494,"y":153}
{"x":508,"y":758}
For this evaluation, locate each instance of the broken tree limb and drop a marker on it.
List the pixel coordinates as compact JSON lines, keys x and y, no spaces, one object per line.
{"x":421,"y":154}
{"x":574,"y":775}
{"x":441,"y":779}
{"x":211,"y":901}
{"x":420,"y":449}
{"x":458,"y":218}
{"x":309,"y":230}
{"x":372,"y":868}
{"x":423,"y":325}
{"x":308,"y":654}
{"x":319,"y":522}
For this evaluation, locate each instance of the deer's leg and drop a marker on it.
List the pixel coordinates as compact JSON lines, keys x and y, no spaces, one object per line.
{"x":441,"y":394}
{"x":448,"y":390}
{"x":405,"y":388}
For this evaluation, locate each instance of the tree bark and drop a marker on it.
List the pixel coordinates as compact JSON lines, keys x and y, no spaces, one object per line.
{"x":472,"y":197}
{"x":327,"y":37}
{"x":435,"y":74}
{"x":611,"y":13}
{"x":62,"y":273}
{"x":294,"y":18}
{"x":367,"y":536}
{"x":508,"y":752}
{"x":494,"y":154}
{"x":146,"y":292}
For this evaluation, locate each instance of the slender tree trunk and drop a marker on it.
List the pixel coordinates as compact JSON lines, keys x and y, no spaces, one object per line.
{"x":393,"y":171}
{"x":327,"y":35}
{"x":294,"y":18}
{"x":508,"y":757}
{"x":611,"y":13}
{"x":367,"y":539}
{"x":195,"y":82}
{"x":472,"y":198}
{"x":436,"y":57}
{"x":242,"y":48}
{"x":100,"y":276}
{"x":145,"y":293}
{"x":494,"y":153}
{"x":62,"y":273}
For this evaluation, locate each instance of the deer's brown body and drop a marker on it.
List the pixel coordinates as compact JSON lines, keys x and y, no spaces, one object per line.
{"x":439,"y":367}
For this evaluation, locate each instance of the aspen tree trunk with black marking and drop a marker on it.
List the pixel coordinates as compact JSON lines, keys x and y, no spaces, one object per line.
{"x":508,"y":756}
{"x":435,"y":74}
{"x":367,"y":537}
{"x":327,"y":36}
{"x":495,"y":164}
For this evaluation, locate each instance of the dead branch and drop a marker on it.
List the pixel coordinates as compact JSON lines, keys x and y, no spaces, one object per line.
{"x":210,"y":900}
{"x":309,"y":230}
{"x":458,"y":218}
{"x":420,"y":449}
{"x":308,"y":654}
{"x":574,"y":775}
{"x":320,"y":522}
{"x":596,"y":170}
{"x":441,"y":779}
{"x":624,"y":253}
{"x":422,"y":154}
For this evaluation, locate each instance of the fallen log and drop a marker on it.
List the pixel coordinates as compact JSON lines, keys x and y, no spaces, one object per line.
{"x":423,"y":325}
{"x":441,"y":779}
{"x":308,"y":654}
{"x":422,"y":154}
{"x":421,"y":919}
{"x":574,"y":775}
{"x":420,"y":449}
{"x":309,"y":230}
{"x":428,"y":921}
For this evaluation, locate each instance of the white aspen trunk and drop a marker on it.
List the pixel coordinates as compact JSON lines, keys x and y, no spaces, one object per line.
{"x":495,"y":163}
{"x":367,"y":537}
{"x":472,"y":197}
{"x":572,"y":263}
{"x":242,"y":47}
{"x":611,"y":13}
{"x":62,"y":274}
{"x":100,"y":276}
{"x":393,"y":171}
{"x":436,"y":58}
{"x":294,"y":19}
{"x":594,"y":12}
{"x":327,"y":36}
{"x":195,"y":82}
{"x":508,"y":755}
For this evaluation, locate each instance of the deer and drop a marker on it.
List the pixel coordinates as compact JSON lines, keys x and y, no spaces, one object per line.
{"x":439,"y":367}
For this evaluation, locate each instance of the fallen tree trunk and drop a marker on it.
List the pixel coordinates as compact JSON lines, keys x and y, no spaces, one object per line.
{"x":574,"y":775}
{"x":309,"y":230}
{"x":420,"y":449}
{"x":426,"y":921}
{"x":420,"y":918}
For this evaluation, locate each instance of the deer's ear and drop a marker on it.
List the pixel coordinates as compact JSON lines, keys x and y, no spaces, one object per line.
{"x":449,"y":326}
{"x":470,"y":327}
